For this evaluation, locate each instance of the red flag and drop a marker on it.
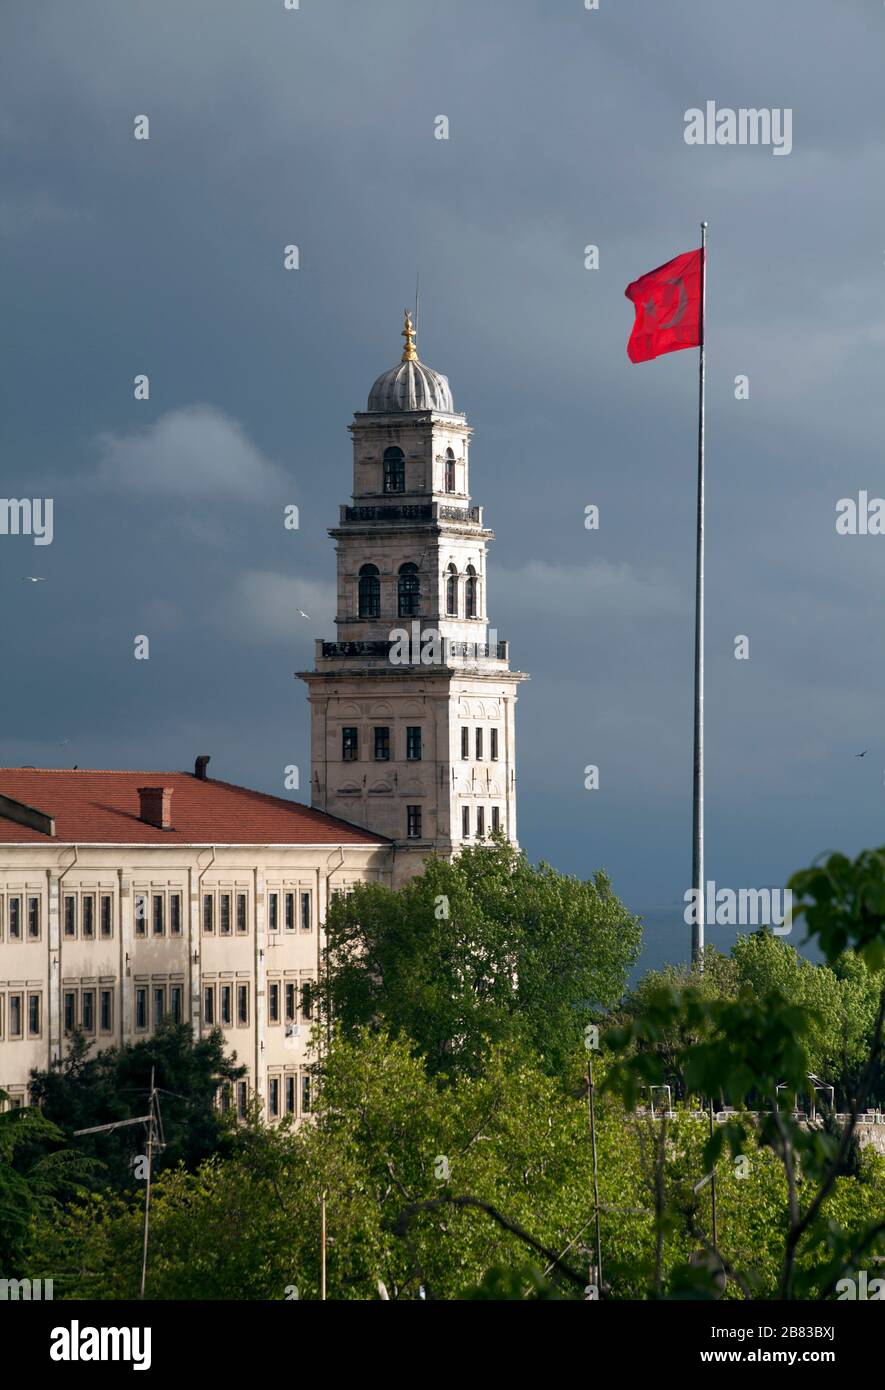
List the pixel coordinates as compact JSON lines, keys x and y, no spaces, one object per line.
{"x":668,"y":308}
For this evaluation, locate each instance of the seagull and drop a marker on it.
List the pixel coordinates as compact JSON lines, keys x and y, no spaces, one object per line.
{"x":35,"y":578}
{"x":301,"y":613}
{"x":863,"y":754}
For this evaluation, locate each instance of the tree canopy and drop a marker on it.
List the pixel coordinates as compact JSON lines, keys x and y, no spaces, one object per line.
{"x":479,"y":951}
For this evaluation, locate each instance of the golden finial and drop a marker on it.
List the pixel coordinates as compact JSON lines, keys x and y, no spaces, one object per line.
{"x":410,"y":353}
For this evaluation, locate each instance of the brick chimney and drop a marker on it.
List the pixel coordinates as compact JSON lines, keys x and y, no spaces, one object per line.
{"x":200,"y":766}
{"x":156,"y":806}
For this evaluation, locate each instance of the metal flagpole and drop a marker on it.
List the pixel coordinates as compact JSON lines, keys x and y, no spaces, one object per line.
{"x":147,"y":1190}
{"x":697,"y":849}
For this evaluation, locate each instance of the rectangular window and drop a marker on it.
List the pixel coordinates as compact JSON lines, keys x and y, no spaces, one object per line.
{"x":413,"y":822}
{"x":208,"y":912}
{"x":15,"y":919}
{"x":87,"y":1010}
{"x":140,"y":914}
{"x":290,"y":1095}
{"x":465,"y":822}
{"x":273,"y":1002}
{"x":413,"y":743}
{"x":290,"y":912}
{"x":226,"y":1006}
{"x":209,"y":1004}
{"x":87,"y":908}
{"x":242,"y":1005}
{"x":290,"y":1003}
{"x":15,"y":1015}
{"x":307,"y":1000}
{"x":493,"y":745}
{"x":273,"y":912}
{"x":106,"y":1010}
{"x":141,"y":1010}
{"x":496,"y":819}
{"x":305,"y":1093}
{"x":349,"y":745}
{"x":106,"y":918}
{"x":306,"y":915}
{"x":242,"y":920}
{"x":175,"y":914}
{"x":175,"y":996}
{"x":159,"y":923}
{"x":242,"y":1099}
{"x":34,"y":1001}
{"x":480,"y":822}
{"x":70,"y":916}
{"x":224,"y":914}
{"x":382,"y":745}
{"x":225,"y":1098}
{"x":465,"y":743}
{"x":159,"y":1003}
{"x":273,"y":1097}
{"x":70,"y":1010}
{"x":33,"y":918}
{"x":479,"y":745}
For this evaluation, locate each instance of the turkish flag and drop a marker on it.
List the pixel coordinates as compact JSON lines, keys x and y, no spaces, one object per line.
{"x":668,"y":308}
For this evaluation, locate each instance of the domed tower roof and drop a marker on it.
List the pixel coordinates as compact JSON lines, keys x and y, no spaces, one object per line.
{"x":410,"y":385}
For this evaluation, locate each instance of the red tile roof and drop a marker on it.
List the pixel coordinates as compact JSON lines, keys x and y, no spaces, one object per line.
{"x":92,"y":807}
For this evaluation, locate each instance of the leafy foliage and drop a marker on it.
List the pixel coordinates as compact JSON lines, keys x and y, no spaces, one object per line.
{"x":37,"y":1172}
{"x":82,"y":1091}
{"x":477,"y":952}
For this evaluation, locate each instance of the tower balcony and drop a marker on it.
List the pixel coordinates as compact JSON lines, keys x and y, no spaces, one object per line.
{"x":452,"y":654}
{"x":372,"y":513}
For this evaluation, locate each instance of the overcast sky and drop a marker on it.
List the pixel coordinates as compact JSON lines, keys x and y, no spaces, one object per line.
{"x":316,"y":127}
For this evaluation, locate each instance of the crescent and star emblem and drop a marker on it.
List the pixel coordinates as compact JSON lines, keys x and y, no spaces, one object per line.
{"x":679,"y":312}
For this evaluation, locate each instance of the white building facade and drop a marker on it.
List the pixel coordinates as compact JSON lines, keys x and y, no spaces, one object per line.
{"x":126,"y":897}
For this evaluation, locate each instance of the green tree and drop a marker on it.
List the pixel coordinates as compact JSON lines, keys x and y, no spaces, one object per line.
{"x":37,"y":1173}
{"x":756,"y":1049}
{"x":477,"y":952}
{"x":81,"y":1091}
{"x":717,"y":980}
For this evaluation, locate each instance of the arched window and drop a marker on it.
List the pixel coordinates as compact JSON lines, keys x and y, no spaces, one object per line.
{"x":452,"y":592}
{"x":370,"y":592}
{"x":408,"y":589}
{"x":471,"y":593}
{"x":394,"y":470}
{"x":450,"y":471}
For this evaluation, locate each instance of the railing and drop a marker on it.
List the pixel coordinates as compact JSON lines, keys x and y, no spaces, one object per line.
{"x":451,"y":650}
{"x":447,"y":513}
{"x":721,"y":1117}
{"x":403,"y":512}
{"x":411,"y":511}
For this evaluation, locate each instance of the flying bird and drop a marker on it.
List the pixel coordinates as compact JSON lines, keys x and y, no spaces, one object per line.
{"x":302,"y":613}
{"x":863,"y":754}
{"x":35,"y":578}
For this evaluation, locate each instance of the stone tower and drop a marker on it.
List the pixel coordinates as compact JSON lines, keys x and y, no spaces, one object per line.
{"x":413,"y":704}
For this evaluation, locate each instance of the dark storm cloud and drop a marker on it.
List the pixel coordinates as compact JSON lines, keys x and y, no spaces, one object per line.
{"x":315,"y":127}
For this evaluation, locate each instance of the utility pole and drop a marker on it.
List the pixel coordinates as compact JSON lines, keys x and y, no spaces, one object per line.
{"x":590,"y":1089}
{"x":323,"y":1247}
{"x":149,"y":1121}
{"x":713,"y":1188}
{"x":147,"y":1190}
